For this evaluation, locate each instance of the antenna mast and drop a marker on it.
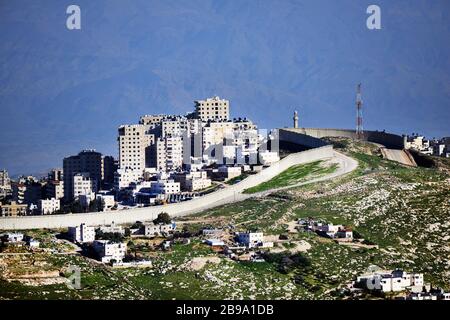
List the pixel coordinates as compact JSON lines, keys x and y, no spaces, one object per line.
{"x":359,"y":118}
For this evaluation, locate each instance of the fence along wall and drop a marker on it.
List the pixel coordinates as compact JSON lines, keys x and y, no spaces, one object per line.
{"x":224,"y":196}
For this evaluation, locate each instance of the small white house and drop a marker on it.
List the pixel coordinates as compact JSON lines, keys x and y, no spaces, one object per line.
{"x":33,"y":243}
{"x":13,"y":237}
{"x":48,"y":206}
{"x":251,"y":239}
{"x":154,"y":230}
{"x":108,"y":251}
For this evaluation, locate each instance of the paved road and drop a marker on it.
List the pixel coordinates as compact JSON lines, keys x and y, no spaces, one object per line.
{"x":227,"y":195}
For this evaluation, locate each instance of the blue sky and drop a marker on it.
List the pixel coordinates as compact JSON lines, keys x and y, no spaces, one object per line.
{"x":62,"y":91}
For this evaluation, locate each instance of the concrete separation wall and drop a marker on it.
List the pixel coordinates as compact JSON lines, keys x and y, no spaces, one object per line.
{"x":224,"y":196}
{"x":303,"y":139}
{"x":389,"y":140}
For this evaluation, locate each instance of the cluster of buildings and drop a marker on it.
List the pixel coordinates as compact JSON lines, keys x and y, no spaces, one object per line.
{"x":243,"y":246}
{"x":83,"y":175}
{"x":329,"y":230}
{"x":18,"y":239}
{"x":109,"y":251}
{"x":163,"y":158}
{"x":166,"y":155}
{"x":434,"y":147}
{"x":399,"y":281}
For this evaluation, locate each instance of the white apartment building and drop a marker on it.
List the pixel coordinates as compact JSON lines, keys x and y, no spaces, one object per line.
{"x":214,"y":134}
{"x":83,"y":185}
{"x":124,"y":177}
{"x":174,"y":126}
{"x":212,"y":109}
{"x":165,"y":187}
{"x":108,"y":251}
{"x":133,"y":143}
{"x":49,"y":206}
{"x":251,"y":239}
{"x":5,"y":182}
{"x":169,"y":153}
{"x":153,"y":120}
{"x":81,"y":233}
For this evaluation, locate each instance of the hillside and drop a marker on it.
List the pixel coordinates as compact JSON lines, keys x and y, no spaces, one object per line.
{"x":404,"y":211}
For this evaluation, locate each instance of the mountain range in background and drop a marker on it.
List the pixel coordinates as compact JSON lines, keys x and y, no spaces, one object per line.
{"x":62,"y":91}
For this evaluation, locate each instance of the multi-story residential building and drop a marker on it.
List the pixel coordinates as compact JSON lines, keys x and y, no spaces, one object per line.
{"x":27,"y":190}
{"x":153,"y":120}
{"x":55,"y":174}
{"x":54,"y":189}
{"x":175,"y":126}
{"x":13,"y":210}
{"x":48,"y":206}
{"x":212,"y":109}
{"x":87,"y":161}
{"x":124,"y":177}
{"x":169,"y":153}
{"x":83,"y":184}
{"x":81,"y":233}
{"x":134,"y":142}
{"x":214,"y":133}
{"x":109,"y":168}
{"x":108,"y":251}
{"x":5,"y":182}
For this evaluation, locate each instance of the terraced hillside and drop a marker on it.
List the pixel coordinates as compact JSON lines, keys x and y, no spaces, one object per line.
{"x":404,"y":211}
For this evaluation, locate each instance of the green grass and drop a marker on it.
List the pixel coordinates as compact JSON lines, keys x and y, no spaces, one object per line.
{"x":293,"y":175}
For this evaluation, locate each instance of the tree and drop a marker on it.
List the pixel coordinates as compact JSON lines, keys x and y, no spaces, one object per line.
{"x":163,"y":217}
